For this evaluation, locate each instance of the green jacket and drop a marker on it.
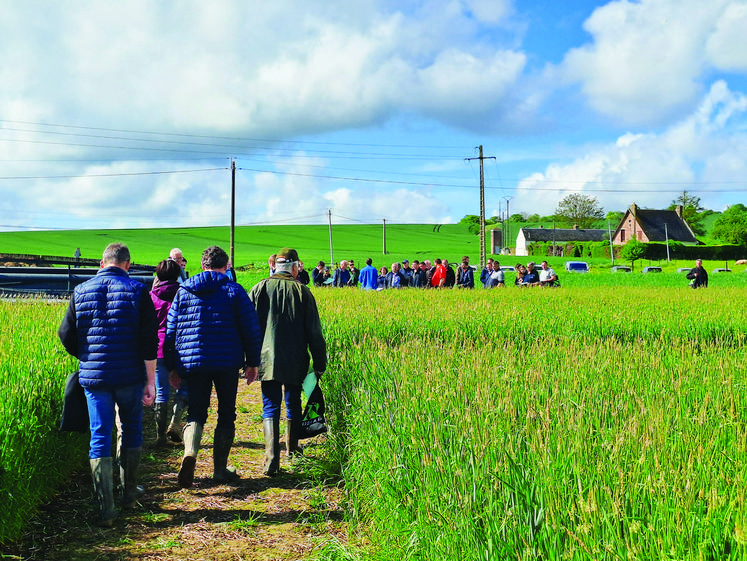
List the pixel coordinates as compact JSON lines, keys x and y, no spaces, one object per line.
{"x":290,"y":327}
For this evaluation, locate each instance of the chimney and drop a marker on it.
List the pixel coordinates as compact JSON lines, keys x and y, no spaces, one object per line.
{"x":678,"y":209}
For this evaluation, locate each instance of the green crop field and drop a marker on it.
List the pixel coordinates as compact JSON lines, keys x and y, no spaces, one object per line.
{"x":602,"y":420}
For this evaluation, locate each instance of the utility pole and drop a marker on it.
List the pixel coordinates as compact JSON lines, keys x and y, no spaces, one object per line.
{"x":383,"y":249}
{"x":508,"y":222}
{"x":331,"y":254}
{"x":233,"y":210}
{"x":482,"y":204}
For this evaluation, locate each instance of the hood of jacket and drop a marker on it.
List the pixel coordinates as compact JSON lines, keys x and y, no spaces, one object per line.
{"x":205,"y":282}
{"x":166,"y":290}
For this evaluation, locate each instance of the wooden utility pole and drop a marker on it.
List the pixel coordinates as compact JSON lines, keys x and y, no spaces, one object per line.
{"x":233,"y":209}
{"x":482,"y":204}
{"x":383,"y":249}
{"x":331,"y":253}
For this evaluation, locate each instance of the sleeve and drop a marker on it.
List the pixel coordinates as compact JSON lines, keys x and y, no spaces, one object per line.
{"x":249,"y":331}
{"x":691,"y":274}
{"x":314,"y":334}
{"x":68,"y":331}
{"x":169,"y":343}
{"x":148,"y":329}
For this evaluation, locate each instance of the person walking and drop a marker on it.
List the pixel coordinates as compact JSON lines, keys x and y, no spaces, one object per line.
{"x":698,"y":276}
{"x":110,"y":326}
{"x":291,"y":329}
{"x":211,"y":333}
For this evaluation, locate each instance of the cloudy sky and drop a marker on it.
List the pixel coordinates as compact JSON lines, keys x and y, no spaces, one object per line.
{"x":129,"y":114}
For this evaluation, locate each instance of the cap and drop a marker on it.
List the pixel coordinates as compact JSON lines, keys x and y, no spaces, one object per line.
{"x":405,"y":261}
{"x":287,"y":255}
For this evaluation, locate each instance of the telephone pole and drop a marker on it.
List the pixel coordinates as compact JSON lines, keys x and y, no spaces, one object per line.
{"x":482,"y":204}
{"x":331,"y":253}
{"x":233,"y":209}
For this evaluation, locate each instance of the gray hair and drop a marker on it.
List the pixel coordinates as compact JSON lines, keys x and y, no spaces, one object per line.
{"x":116,"y":253}
{"x":286,"y":267}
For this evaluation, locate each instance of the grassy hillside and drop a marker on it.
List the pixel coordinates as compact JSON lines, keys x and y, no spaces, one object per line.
{"x":253,"y":244}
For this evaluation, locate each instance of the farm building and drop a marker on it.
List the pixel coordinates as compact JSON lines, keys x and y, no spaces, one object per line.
{"x":556,"y":236}
{"x":648,"y":225}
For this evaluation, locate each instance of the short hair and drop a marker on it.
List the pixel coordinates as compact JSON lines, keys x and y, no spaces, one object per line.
{"x":320,"y":264}
{"x":369,"y":261}
{"x":116,"y":253}
{"x":214,"y":258}
{"x":174,"y":252}
{"x":168,"y":270}
{"x":438,"y":261}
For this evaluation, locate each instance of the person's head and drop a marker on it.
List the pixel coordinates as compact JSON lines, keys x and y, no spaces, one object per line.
{"x":286,"y":261}
{"x":369,"y":261}
{"x":300,"y":265}
{"x":544,"y":265}
{"x":116,"y":255}
{"x":496,"y":265}
{"x":698,"y":262}
{"x":351,"y":264}
{"x":384,"y":270}
{"x":530,"y":266}
{"x":214,"y":259}
{"x":424,"y":266}
{"x":489,"y":264}
{"x":176,"y":255}
{"x":168,"y":270}
{"x":428,"y":263}
{"x":415,"y":264}
{"x":405,"y":263}
{"x":465,"y":264}
{"x":445,"y":262}
{"x":466,"y":258}
{"x":343,"y":264}
{"x":271,"y":260}
{"x":320,"y":266}
{"x":438,"y":261}
{"x":395,"y":267}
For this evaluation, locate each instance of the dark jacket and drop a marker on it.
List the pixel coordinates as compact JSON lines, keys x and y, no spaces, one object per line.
{"x":212,"y":326}
{"x":110,"y":326}
{"x":290,"y":327}
{"x":303,"y":277}
{"x":699,"y":276}
{"x":466,"y":279}
{"x":450,"y":277}
{"x":418,"y":279}
{"x":342,"y":277}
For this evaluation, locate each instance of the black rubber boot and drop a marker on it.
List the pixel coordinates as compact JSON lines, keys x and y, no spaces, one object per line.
{"x":160,"y":412}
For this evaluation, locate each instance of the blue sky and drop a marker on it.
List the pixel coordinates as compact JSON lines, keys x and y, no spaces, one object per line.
{"x":127,"y":114}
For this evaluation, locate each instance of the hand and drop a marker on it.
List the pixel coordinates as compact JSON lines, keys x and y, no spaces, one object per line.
{"x":318,"y":374}
{"x":250,"y":374}
{"x":149,"y":394}
{"x":174,"y":380}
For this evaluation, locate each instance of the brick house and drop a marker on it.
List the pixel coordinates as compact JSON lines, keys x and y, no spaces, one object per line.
{"x":647,"y":225}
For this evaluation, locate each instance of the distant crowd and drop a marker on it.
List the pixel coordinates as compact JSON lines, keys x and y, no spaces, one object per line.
{"x":422,"y":274}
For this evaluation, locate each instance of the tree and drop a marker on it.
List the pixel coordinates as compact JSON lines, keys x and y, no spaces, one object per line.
{"x":614,"y":217}
{"x":692,"y":211}
{"x":731,"y":226}
{"x":472,"y":221}
{"x":633,"y":250}
{"x":579,"y":209}
{"x":517,"y":218}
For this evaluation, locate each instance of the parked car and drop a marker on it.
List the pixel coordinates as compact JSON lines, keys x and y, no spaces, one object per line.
{"x":651,"y":270}
{"x":577,"y":266}
{"x":684,"y":270}
{"x":620,"y":269}
{"x":722,"y":270}
{"x":508,"y":268}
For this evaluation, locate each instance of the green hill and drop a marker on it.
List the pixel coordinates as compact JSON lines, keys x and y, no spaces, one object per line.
{"x":253,"y":244}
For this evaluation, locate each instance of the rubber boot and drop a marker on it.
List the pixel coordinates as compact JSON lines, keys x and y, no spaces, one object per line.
{"x":103,"y":485}
{"x":129,"y":464}
{"x":291,"y":438}
{"x":271,"y":429}
{"x":222,"y":442}
{"x":192,"y":437}
{"x":160,"y":411}
{"x":174,"y":432}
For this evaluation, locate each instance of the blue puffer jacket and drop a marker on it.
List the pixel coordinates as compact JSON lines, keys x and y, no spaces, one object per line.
{"x":113,"y":338}
{"x":212,"y":325}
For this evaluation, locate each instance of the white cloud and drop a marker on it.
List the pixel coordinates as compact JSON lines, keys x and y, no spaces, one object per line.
{"x":648,"y":59}
{"x":703,"y":153}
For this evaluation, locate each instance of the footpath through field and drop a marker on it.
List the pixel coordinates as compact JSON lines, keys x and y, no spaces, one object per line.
{"x":258,"y":518}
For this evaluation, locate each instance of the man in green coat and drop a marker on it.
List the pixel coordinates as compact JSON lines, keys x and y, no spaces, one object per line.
{"x":291,"y":329}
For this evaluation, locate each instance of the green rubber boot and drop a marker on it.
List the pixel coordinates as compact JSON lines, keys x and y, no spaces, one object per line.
{"x":192,"y":437}
{"x":103,"y":485}
{"x":271,"y":429}
{"x":222,"y":442}
{"x":174,"y":432}
{"x":291,"y":438}
{"x":129,"y":464}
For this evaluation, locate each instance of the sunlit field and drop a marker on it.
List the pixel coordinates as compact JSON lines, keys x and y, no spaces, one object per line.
{"x":601,"y":420}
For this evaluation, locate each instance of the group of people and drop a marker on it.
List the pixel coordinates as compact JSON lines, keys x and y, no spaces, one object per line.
{"x":427,"y":274}
{"x":202,"y":331}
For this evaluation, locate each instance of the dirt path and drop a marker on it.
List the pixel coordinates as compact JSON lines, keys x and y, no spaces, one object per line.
{"x":258,"y":518}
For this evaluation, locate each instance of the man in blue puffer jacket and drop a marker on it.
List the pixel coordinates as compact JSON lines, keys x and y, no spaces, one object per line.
{"x":212,"y":332}
{"x":111,"y":327}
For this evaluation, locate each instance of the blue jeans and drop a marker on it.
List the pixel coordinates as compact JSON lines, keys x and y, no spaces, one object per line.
{"x":101,"y":402}
{"x":272,"y":397}
{"x":163,"y":386}
{"x":201,"y":386}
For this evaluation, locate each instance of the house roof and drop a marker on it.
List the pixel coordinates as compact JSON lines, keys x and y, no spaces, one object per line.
{"x":652,"y":222}
{"x":562,"y":235}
